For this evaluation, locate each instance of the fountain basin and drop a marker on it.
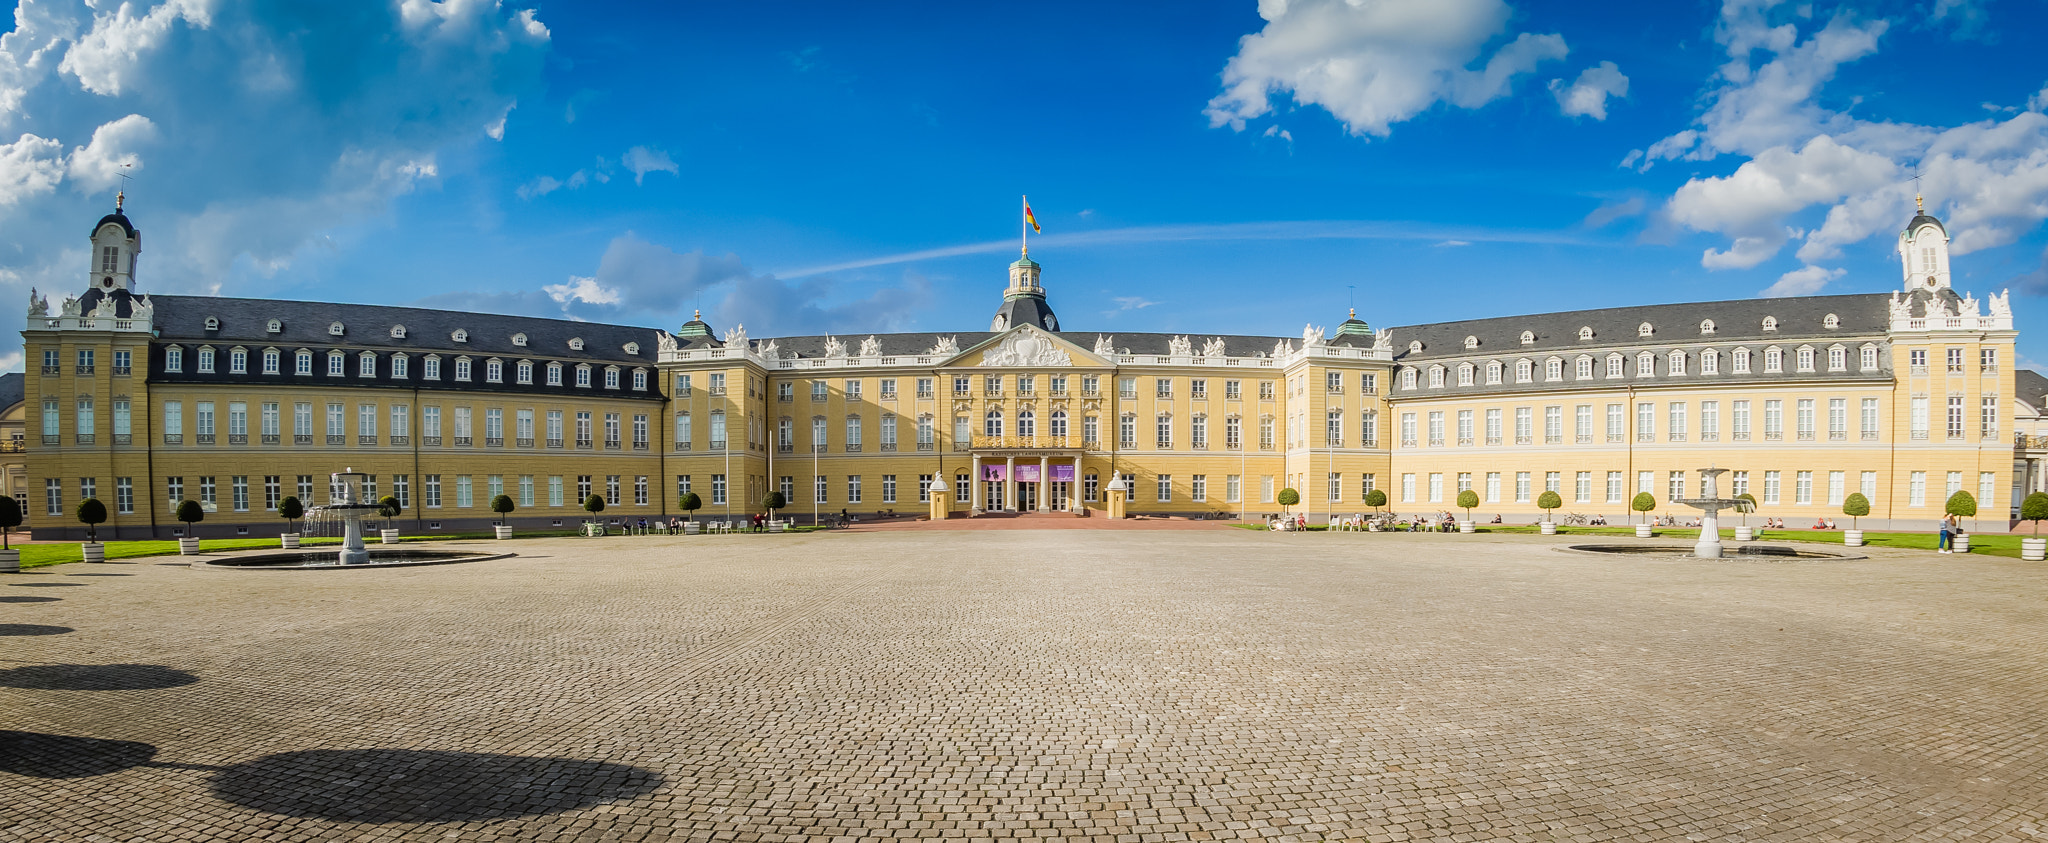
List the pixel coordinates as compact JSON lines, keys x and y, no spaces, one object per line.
{"x":328,"y":561}
{"x":1679,"y":551}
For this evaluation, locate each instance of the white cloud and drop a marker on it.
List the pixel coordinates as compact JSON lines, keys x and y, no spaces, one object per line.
{"x":541,"y":186}
{"x":2039,"y":101}
{"x":1451,"y":244}
{"x":1124,"y":303}
{"x":1374,"y":63}
{"x":29,"y":167}
{"x":1751,"y":202}
{"x":1804,"y":281}
{"x":583,"y":289}
{"x":114,"y":49}
{"x":643,"y":160}
{"x":1587,"y":96}
{"x":98,"y":165}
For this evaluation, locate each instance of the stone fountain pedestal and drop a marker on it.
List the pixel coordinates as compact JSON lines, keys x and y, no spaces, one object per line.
{"x":1709,"y":545}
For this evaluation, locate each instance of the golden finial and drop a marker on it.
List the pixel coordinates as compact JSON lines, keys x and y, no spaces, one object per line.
{"x":696,"y":315}
{"x":118,"y":197}
{"x":1354,"y":313}
{"x":1918,"y":205}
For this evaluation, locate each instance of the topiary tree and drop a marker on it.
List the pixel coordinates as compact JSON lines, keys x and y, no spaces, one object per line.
{"x":502,"y":505}
{"x":690,"y":504}
{"x":772,"y":502}
{"x":290,"y":509}
{"x":191,"y":513}
{"x":1963,"y":505}
{"x":593,"y":504}
{"x":1466,"y":500}
{"x":1375,"y":499}
{"x":1745,"y":496}
{"x":92,"y":513}
{"x":1289,"y":497}
{"x":389,"y":507}
{"x":1643,"y":503}
{"x":1855,"y":506}
{"x":1547,"y":502}
{"x":2034,"y":508}
{"x":10,"y":518}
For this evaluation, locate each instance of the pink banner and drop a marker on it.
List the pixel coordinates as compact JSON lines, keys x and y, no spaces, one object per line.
{"x":1027,"y":473}
{"x":1063,"y":474}
{"x":992,"y":472}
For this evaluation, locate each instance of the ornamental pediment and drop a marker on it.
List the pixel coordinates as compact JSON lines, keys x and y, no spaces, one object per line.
{"x":1027,"y":346}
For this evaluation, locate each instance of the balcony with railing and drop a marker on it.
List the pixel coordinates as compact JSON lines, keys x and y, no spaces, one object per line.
{"x":557,"y":443}
{"x":238,"y":438}
{"x":336,"y":439}
{"x":202,"y":438}
{"x":523,"y":443}
{"x":85,"y":370}
{"x":122,"y":371}
{"x":464,"y":441}
{"x":83,"y":439}
{"x":53,"y":370}
{"x":123,"y":439}
{"x":586,"y":443}
{"x":1031,"y":442}
{"x":715,"y":444}
{"x":2030,"y":443}
{"x":494,"y":441}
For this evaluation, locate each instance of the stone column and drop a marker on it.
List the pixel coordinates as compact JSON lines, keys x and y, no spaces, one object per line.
{"x":1010,"y":484}
{"x":1044,"y":484}
{"x":974,"y":483}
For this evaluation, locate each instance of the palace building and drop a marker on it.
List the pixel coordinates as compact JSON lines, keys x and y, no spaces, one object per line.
{"x":144,"y":401}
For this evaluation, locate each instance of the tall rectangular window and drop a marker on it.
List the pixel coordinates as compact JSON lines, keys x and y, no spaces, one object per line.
{"x":1987,"y":417}
{"x":1493,"y":426}
{"x":1838,"y":418}
{"x":718,"y":497}
{"x":1436,"y":487}
{"x":1917,"y":492}
{"x":1617,"y":423}
{"x":1868,"y":486}
{"x":1493,"y":487}
{"x":888,"y":488}
{"x":1804,"y":410}
{"x":1838,"y":483}
{"x":1582,"y":423}
{"x":1774,"y":420}
{"x":464,"y":492}
{"x":1522,"y":490}
{"x":1955,"y":417}
{"x":1233,"y":485}
{"x":1675,"y":487}
{"x":526,"y":490}
{"x":1676,"y":422}
{"x":1583,"y":487}
{"x":1553,"y":425}
{"x":1919,"y":417}
{"x":1615,"y":488}
{"x":1802,"y":487}
{"x":853,"y":488}
{"x":1770,"y":487}
{"x":1987,"y":486}
{"x":124,"y":496}
{"x":1710,"y":421}
{"x":1525,"y":424}
{"x":554,"y":490}
{"x":1407,"y":488}
{"x":1646,"y":422}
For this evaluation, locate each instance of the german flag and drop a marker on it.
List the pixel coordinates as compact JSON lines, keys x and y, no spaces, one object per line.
{"x":1030,"y":219}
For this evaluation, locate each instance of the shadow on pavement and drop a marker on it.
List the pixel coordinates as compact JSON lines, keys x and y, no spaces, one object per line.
{"x":8,"y":598}
{"x":95,"y":677}
{"x":32,"y":629}
{"x":67,"y":757}
{"x":402,"y":785}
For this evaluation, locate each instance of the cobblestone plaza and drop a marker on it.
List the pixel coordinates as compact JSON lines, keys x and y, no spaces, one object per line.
{"x":1128,"y":686}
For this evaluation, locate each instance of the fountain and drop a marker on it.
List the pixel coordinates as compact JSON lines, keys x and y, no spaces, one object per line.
{"x":347,"y":505}
{"x":1709,"y":546}
{"x":344,"y":489}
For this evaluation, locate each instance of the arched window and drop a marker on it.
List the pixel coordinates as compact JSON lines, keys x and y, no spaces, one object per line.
{"x":1553,"y":369}
{"x":1058,"y":428}
{"x":1646,"y":365}
{"x":992,"y":424}
{"x":1585,"y":368}
{"x":273,"y":326}
{"x":1471,"y":342}
{"x":519,"y":340}
{"x":1739,"y":361}
{"x":1525,"y":371}
{"x":460,"y":335}
{"x":1436,"y":377}
{"x":1706,"y":326}
{"x":1770,"y":323}
{"x":1027,"y":423}
{"x":1675,"y":364}
{"x":1615,"y":363}
{"x":398,"y":332}
{"x":1464,"y":374}
{"x":1414,"y":346}
{"x":1644,"y":330}
{"x":1831,"y":321}
{"x":1585,"y":333}
{"x":1528,"y":337}
{"x":1493,"y":370}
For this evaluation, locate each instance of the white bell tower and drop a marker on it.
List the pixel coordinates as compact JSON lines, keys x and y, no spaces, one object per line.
{"x":115,"y":246}
{"x":1923,"y":252}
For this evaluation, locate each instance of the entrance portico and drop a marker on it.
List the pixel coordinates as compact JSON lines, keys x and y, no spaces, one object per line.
{"x":1025,"y":480}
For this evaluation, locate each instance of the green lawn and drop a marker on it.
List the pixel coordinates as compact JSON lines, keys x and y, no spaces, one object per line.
{"x":39,"y":555}
{"x":1990,"y":544}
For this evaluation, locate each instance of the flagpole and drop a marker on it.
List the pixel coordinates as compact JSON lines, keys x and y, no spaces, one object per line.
{"x":1025,"y":219}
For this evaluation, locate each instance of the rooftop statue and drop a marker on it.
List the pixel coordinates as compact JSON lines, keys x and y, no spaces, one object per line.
{"x":1213,"y":347}
{"x":1105,"y":343}
{"x":736,"y":337}
{"x":1180,"y":347}
{"x":871,"y":347}
{"x":945,"y":345}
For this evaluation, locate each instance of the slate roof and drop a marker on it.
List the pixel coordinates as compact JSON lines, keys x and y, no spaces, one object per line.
{"x":1735,"y":321}
{"x":182,"y":319}
{"x":913,"y":344}
{"x":2028,"y":386}
{"x":1028,"y":310}
{"x":127,"y":227}
{"x":13,"y":388}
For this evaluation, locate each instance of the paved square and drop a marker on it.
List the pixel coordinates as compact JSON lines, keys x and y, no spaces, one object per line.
{"x":1123,"y":686}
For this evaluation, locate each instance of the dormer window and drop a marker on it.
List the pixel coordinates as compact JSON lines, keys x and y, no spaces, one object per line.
{"x":460,"y":335}
{"x":302,"y":363}
{"x":1584,"y":370}
{"x":1644,"y":330}
{"x":519,"y":340}
{"x":366,"y":364}
{"x":1646,"y":365}
{"x":401,"y":366}
{"x":1493,"y":371}
{"x":524,"y":371}
{"x":1465,"y":372}
{"x":398,"y":332}
{"x":1436,"y":377}
{"x":494,"y":371}
{"x":271,"y":358}
{"x":1706,"y":326}
{"x":1528,"y":337}
{"x":1525,"y":371}
{"x":1415,"y":347}
{"x":337,"y":365}
{"x":1615,"y":364}
{"x":1675,"y":364}
{"x":554,"y":374}
{"x":430,"y":368}
{"x":583,"y":376}
{"x":1770,"y":323}
{"x":1774,"y":360}
{"x":335,"y":329}
{"x":462,"y":369}
{"x":1471,"y":342}
{"x":1553,"y":369}
{"x":1831,"y":322}
{"x":273,"y":327}
{"x":206,"y":359}
{"x":639,"y":380}
{"x":1585,"y":333}
{"x":174,"y":359}
{"x":575,"y":343}
{"x":611,"y":377}
{"x":238,"y":361}
{"x":213,"y":323}
{"x":633,"y":348}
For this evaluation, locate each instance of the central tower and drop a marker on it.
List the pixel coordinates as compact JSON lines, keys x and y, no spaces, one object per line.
{"x":1024,"y":300}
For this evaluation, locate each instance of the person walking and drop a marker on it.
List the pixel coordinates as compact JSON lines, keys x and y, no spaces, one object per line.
{"x":1946,"y":542}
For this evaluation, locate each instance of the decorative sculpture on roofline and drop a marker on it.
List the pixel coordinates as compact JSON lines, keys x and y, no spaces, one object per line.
{"x":1311,"y":335}
{"x":945,"y":345}
{"x":834,"y":348}
{"x":665,"y":343}
{"x":1180,"y":347}
{"x":1902,"y":305}
{"x":769,"y":350}
{"x":871,"y":347}
{"x":1383,"y":339}
{"x":1105,"y":343}
{"x":37,"y":305}
{"x":736,"y":337}
{"x":2001,"y":303}
{"x":71,"y":306}
{"x":1282,"y":349}
{"x":1213,"y":347}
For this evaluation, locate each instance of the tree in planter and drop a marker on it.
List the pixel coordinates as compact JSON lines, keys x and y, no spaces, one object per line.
{"x":389,"y":507}
{"x":1289,"y":497}
{"x":502,"y":505}
{"x":92,"y":513}
{"x":2034,"y":508}
{"x":690,"y":504}
{"x":1643,"y":503}
{"x":1375,"y":499}
{"x":1466,"y":500}
{"x":290,"y":510}
{"x":10,"y":518}
{"x":1963,"y":505}
{"x":772,"y":502}
{"x":1855,"y":506}
{"x":191,"y":513}
{"x":593,"y":504}
{"x":1745,"y":496}
{"x":1546,"y":502}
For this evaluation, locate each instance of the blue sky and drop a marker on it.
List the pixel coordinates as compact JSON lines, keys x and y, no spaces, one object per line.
{"x":1202,"y":166}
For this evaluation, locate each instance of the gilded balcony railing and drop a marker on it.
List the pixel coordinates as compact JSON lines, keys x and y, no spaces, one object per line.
{"x":1028,"y":442}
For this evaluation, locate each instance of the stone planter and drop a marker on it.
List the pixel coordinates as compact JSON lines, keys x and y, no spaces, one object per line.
{"x":2031,"y":550}
{"x":290,"y":541}
{"x":1466,"y":527}
{"x":1962,"y":544}
{"x":1548,"y":528}
{"x":388,"y":536}
{"x":10,"y":561}
{"x":1642,"y":531}
{"x":188,"y":546}
{"x":94,"y":551}
{"x":1745,"y":534}
{"x":503,"y":531}
{"x":1852,"y":538}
